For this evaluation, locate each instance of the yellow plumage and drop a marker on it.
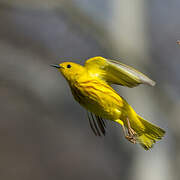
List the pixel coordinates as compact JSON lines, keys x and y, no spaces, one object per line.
{"x":90,"y":86}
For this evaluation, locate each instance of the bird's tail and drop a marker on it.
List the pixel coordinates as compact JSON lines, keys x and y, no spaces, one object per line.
{"x":150,"y":134}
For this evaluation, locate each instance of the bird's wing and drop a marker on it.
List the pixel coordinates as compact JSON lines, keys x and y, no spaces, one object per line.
{"x":114,"y":72}
{"x":97,"y":124}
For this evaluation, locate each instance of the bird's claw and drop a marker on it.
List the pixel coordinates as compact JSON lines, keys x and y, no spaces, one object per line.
{"x":131,"y":132}
{"x":132,"y":139}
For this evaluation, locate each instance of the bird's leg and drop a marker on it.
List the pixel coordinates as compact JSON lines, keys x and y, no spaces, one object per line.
{"x":129,"y":137}
{"x":124,"y":130}
{"x":131,"y":133}
{"x":130,"y":130}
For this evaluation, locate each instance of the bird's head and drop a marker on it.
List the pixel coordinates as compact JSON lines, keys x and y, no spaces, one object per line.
{"x":71,"y":71}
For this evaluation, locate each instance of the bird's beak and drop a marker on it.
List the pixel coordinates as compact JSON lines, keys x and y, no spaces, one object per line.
{"x":56,"y":66}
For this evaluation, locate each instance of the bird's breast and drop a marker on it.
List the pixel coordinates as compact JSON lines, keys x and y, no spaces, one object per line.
{"x":98,"y":98}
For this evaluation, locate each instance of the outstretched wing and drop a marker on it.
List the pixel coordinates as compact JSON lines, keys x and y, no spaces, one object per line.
{"x":114,"y":72}
{"x":97,"y":124}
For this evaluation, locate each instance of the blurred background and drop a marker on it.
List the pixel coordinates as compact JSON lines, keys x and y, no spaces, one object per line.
{"x":44,"y":133}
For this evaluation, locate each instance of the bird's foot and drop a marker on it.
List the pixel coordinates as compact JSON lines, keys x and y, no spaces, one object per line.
{"x":131,"y":139}
{"x":131,"y":133}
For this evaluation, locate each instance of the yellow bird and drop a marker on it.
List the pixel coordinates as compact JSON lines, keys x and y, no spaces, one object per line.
{"x":90,"y":86}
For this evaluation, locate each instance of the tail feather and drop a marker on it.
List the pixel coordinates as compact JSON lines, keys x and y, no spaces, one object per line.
{"x":150,"y":134}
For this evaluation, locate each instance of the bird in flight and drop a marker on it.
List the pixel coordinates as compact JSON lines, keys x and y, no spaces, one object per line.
{"x":91,"y":87}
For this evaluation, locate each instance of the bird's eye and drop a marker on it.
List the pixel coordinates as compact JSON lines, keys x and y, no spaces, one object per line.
{"x":68,"y":66}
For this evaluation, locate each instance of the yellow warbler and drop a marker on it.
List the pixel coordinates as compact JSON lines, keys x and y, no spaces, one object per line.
{"x":90,"y":86}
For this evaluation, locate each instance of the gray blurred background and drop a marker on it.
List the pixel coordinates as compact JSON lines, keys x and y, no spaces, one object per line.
{"x":44,"y":133}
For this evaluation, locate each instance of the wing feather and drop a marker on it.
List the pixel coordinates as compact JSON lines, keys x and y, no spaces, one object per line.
{"x":91,"y":125}
{"x":97,"y":124}
{"x":114,"y":72}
